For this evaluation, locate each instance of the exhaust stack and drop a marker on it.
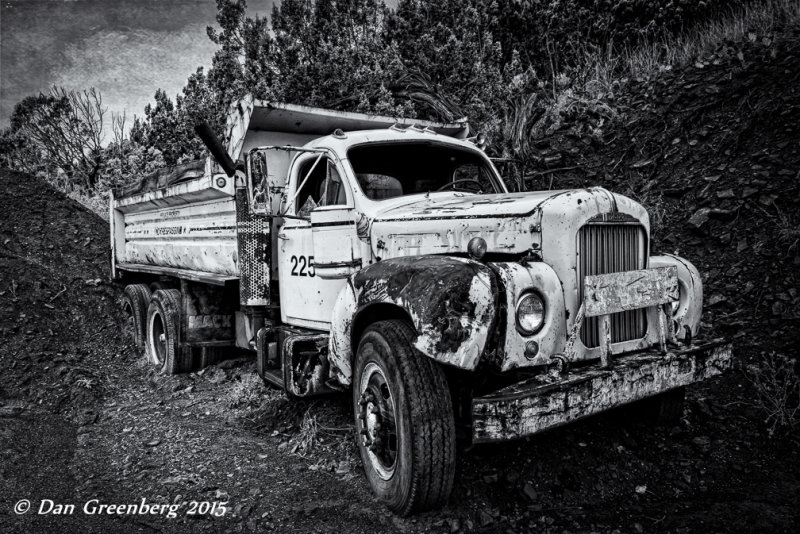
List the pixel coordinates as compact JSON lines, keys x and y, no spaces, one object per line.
{"x":204,"y":132}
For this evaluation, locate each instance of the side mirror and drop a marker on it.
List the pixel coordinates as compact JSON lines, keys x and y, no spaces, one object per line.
{"x":258,"y":183}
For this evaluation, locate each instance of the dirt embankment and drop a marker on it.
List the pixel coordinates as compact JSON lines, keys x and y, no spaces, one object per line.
{"x":712,"y":150}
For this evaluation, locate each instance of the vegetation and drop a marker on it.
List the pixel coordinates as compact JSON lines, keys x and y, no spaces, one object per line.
{"x":518,"y":69}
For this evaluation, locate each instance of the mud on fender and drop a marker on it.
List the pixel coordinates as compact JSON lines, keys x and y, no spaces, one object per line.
{"x":451,"y":302}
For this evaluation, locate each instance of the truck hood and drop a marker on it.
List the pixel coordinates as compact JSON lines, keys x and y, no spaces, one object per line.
{"x":511,"y":223}
{"x":449,"y":206}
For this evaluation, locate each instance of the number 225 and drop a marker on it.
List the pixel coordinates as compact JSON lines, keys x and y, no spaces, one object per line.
{"x":302,"y":265}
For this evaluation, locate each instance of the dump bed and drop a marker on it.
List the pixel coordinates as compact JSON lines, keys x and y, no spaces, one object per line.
{"x":183,"y":221}
{"x":186,"y":226}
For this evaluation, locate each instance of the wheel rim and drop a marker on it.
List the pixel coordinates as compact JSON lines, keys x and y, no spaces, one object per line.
{"x":377,"y":421}
{"x":158,"y":339}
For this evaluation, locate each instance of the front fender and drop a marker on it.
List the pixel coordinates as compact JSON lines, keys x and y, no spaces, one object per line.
{"x":451,"y":303}
{"x":690,"y":305}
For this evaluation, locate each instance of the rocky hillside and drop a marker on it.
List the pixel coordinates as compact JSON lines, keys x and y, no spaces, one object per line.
{"x":713,"y":151}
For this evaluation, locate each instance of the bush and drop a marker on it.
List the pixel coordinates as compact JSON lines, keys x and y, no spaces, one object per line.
{"x":777,"y":384}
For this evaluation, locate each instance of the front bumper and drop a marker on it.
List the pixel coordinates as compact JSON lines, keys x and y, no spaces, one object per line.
{"x":548,"y":401}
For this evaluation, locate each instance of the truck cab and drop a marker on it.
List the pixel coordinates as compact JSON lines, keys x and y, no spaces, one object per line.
{"x":387,"y":258}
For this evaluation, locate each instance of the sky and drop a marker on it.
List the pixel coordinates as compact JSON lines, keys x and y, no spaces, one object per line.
{"x":124,"y":48}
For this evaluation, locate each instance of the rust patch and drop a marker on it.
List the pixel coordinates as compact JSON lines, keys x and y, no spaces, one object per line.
{"x":450,"y":300}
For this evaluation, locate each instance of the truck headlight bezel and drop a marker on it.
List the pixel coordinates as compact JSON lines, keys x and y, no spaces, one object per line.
{"x":531,"y":304}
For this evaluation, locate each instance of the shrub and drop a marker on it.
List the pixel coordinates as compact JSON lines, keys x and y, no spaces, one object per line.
{"x":777,"y":384}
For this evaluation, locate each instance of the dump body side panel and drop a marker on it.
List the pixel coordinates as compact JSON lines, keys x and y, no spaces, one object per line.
{"x":200,"y":237}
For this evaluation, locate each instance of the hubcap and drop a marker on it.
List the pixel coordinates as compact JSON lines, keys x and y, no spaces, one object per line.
{"x":158,"y":339}
{"x":377,"y":423}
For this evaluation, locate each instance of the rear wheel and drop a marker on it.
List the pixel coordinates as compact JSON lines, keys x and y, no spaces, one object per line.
{"x":404,"y":420}
{"x":164,"y":348}
{"x":135,"y":300}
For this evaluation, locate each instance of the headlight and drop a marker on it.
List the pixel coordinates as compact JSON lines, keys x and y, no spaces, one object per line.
{"x":530,"y":313}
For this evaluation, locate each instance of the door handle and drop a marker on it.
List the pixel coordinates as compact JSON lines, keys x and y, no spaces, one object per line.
{"x":283,"y":237}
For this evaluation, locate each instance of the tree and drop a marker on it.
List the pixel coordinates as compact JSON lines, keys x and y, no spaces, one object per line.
{"x":66,"y":129}
{"x":455,"y":65}
{"x":244,"y":62}
{"x":336,"y":54}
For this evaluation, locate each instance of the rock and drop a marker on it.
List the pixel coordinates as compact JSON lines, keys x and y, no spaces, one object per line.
{"x":699,"y":218}
{"x":485,"y":518}
{"x":491,"y":479}
{"x":641,"y":490}
{"x":530,"y":492}
{"x":725,"y":194}
{"x":702,"y":443}
{"x":343,"y":468}
{"x":716,"y":299}
{"x":748,"y":192}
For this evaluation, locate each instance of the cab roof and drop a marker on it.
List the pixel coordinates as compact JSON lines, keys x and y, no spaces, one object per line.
{"x":253,"y":116}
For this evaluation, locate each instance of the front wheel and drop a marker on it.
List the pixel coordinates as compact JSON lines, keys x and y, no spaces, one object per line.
{"x":404,"y":420}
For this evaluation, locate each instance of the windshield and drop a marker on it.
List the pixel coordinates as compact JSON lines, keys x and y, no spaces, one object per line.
{"x":389,"y":170}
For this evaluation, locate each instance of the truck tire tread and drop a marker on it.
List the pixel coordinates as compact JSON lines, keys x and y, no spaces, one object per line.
{"x":178,"y":358}
{"x":137,"y":298}
{"x":433,"y":445}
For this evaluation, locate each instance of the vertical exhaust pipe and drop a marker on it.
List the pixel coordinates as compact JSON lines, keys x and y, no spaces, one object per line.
{"x":206,"y":134}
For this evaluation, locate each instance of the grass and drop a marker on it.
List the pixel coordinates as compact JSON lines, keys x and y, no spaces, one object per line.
{"x":95,"y":201}
{"x":778,"y":386}
{"x":588,"y":90}
{"x":750,"y":21}
{"x":247,"y":393}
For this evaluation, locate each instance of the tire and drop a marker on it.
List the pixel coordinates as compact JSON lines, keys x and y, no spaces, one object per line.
{"x":155,"y":286}
{"x":395,"y":388}
{"x":164,"y":349}
{"x":135,"y":301}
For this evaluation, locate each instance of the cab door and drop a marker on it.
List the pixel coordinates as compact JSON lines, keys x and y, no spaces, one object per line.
{"x":316,"y":246}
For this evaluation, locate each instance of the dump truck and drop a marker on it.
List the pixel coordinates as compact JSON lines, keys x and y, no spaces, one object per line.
{"x":387,"y":258}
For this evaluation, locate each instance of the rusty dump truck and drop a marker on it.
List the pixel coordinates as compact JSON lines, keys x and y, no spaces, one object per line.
{"x":386,"y":257}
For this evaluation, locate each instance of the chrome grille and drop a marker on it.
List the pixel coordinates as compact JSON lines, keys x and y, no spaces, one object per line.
{"x":610,"y":248}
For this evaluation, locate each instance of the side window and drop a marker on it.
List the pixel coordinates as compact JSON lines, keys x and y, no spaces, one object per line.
{"x":333,"y":193}
{"x":321,"y":185}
